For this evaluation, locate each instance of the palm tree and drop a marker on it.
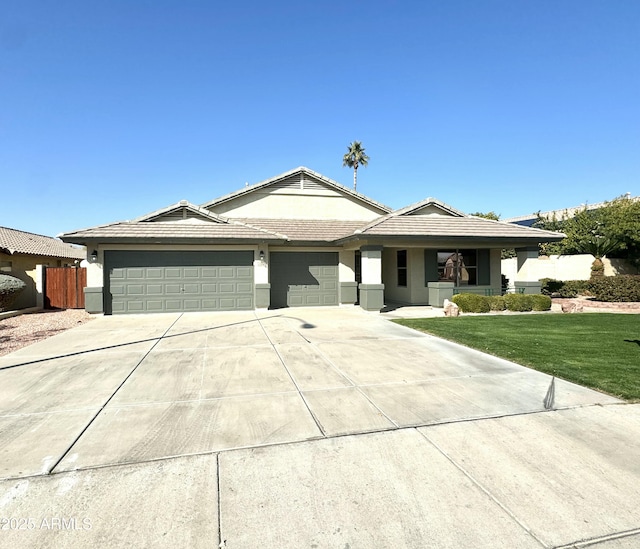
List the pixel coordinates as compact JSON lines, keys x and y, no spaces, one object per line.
{"x":355,"y":157}
{"x":598,"y":246}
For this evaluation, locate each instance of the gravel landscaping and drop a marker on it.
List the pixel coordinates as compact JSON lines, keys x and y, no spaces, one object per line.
{"x":19,"y":331}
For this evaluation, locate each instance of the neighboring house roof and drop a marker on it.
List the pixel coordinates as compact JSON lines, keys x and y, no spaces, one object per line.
{"x":565,"y":213}
{"x":13,"y":241}
{"x":302,"y":171}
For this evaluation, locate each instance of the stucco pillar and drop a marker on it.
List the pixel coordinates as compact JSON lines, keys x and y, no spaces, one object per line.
{"x":525,"y":270}
{"x":371,"y":289}
{"x":40,"y":286}
{"x":261,"y":277}
{"x":347,"y":277}
{"x":94,"y":292}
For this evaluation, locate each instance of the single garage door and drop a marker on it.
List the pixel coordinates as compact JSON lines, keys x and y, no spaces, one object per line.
{"x":168,"y":281}
{"x":300,"y":279}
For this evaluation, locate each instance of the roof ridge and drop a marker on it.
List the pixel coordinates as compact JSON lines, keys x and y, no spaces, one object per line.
{"x":279,"y":235}
{"x":274,"y":179}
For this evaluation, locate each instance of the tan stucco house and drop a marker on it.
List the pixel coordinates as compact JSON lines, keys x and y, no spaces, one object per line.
{"x":21,"y":253}
{"x":297,"y":239}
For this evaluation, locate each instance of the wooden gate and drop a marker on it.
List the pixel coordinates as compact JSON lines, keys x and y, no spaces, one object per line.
{"x":64,"y":287}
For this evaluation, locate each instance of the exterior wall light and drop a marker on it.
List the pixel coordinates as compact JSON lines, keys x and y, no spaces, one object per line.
{"x":94,"y":255}
{"x":261,"y":254}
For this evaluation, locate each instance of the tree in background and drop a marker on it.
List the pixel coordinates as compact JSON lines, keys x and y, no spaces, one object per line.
{"x":613,"y":230}
{"x":506,"y":253}
{"x":355,"y":157}
{"x":489,"y":215}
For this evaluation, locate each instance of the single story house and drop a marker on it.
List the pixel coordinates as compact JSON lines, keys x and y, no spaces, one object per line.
{"x":297,"y":239}
{"x":20,"y":254}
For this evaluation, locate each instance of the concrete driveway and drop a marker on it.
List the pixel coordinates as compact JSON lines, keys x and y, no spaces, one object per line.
{"x":303,"y":428}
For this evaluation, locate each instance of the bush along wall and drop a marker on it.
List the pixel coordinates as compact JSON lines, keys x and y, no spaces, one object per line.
{"x":616,"y":288}
{"x":474,"y":303}
{"x":10,"y":289}
{"x":564,"y":288}
{"x":620,"y":288}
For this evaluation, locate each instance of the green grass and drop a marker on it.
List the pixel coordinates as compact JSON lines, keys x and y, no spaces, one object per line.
{"x":601,"y":351}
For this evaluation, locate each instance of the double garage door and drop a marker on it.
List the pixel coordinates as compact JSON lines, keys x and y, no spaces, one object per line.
{"x":144,"y":281}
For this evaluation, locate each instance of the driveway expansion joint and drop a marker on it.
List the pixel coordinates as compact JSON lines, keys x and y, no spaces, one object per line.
{"x":113,"y":394}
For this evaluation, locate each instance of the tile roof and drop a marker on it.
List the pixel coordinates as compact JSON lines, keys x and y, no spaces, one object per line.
{"x":13,"y":241}
{"x":454,"y":227}
{"x":307,"y":230}
{"x":175,"y":231}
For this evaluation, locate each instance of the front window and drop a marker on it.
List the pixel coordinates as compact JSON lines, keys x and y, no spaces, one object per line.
{"x":402,"y":267}
{"x":458,"y":266}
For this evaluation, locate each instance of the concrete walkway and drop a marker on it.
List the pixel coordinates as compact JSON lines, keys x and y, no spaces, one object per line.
{"x":303,"y":428}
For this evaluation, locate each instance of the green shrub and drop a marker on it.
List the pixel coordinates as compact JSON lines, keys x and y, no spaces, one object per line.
{"x":563,"y":288}
{"x":10,"y":289}
{"x":471,"y":303}
{"x":496,"y":303}
{"x":518,"y":302}
{"x":541,"y":302}
{"x":550,"y":286}
{"x":616,"y":288}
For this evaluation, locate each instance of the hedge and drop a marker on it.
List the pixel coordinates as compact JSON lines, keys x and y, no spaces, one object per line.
{"x":564,"y":288}
{"x":10,"y":289}
{"x":541,"y":302}
{"x":471,"y":303}
{"x":616,"y":288}
{"x":519,"y":302}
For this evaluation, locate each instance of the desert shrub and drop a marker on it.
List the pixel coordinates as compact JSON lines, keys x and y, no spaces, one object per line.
{"x":471,"y":303}
{"x":540,"y":302}
{"x":616,"y":288}
{"x":496,"y":303}
{"x":10,"y":289}
{"x":518,"y":302}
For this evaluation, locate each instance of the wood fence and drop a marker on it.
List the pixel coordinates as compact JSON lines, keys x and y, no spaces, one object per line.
{"x":64,"y":287}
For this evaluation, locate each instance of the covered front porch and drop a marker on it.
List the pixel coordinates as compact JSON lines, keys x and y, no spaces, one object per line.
{"x":414,"y":274}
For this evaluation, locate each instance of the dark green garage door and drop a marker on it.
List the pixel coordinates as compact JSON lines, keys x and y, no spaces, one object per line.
{"x":300,"y":279}
{"x":154,"y":282}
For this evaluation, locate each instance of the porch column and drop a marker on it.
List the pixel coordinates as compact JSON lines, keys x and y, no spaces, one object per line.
{"x":261,"y":277}
{"x":371,"y":288}
{"x":526,"y":259}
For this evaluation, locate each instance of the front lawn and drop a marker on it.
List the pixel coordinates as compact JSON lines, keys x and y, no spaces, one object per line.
{"x":597,"y":350}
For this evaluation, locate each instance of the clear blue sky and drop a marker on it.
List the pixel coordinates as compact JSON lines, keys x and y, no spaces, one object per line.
{"x":112,"y":109}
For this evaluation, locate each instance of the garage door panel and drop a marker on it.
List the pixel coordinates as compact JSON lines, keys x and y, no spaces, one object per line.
{"x":135,"y":306}
{"x":191,"y":289}
{"x":191,"y":272}
{"x":154,"y":274}
{"x":244,"y":303}
{"x":179,"y":281}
